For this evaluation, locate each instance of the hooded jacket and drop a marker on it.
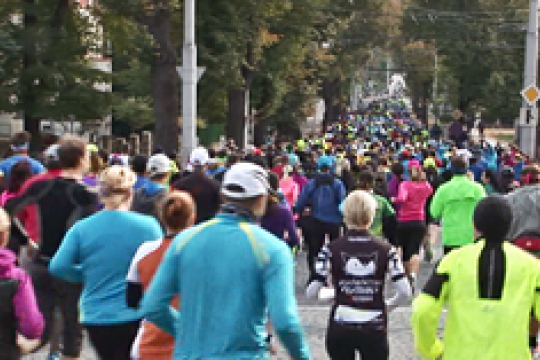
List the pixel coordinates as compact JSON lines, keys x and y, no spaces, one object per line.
{"x":525,"y":204}
{"x":323,"y":193}
{"x":18,"y":307}
{"x":454,"y":202}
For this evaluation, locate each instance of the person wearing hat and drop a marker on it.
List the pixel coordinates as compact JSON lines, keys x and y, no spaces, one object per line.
{"x":203,"y":189}
{"x":454,"y":203}
{"x":147,"y":198}
{"x":231,"y":275}
{"x":489,"y":289}
{"x":324,"y":193}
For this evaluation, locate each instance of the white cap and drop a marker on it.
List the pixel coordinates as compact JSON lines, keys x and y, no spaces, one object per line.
{"x":245,"y":180}
{"x":199,"y":156}
{"x":52,"y":152}
{"x":158,"y":164}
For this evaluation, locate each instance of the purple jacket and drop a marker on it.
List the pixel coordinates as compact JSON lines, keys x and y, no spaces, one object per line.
{"x":277,"y":220}
{"x":29,"y":319}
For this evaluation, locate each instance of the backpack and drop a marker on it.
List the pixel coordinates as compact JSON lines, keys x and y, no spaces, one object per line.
{"x":325,"y":187}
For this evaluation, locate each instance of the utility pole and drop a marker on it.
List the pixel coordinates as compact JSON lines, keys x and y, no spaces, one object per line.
{"x":189,"y":83}
{"x":529,"y":113}
{"x":436,"y":86}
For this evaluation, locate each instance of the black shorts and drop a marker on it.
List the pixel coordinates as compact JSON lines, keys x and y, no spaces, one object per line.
{"x":410,"y":236}
{"x":343,"y":343}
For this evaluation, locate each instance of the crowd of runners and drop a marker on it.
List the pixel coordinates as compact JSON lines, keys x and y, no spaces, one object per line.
{"x":155,"y":261}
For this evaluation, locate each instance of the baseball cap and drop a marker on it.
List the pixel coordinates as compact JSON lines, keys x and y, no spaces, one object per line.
{"x":324,"y":161}
{"x":245,"y":180}
{"x":158,"y":164}
{"x":199,"y":156}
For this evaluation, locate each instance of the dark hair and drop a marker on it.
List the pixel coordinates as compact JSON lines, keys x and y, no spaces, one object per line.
{"x":397,"y":169}
{"x":459,"y":165}
{"x":20,"y":172}
{"x":494,"y":180}
{"x":21,"y":138}
{"x":95,"y":163}
{"x":104,"y":155}
{"x":493,"y":217}
{"x":366,"y":180}
{"x":138,"y":164}
{"x":176,"y":210}
{"x":71,"y":152}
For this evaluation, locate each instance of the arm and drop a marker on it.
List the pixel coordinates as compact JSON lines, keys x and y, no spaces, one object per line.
{"x":397,"y":274}
{"x":64,"y":264}
{"x":402,"y":193}
{"x":278,"y":284}
{"x":155,"y":305}
{"x":291,"y":228}
{"x":134,"y":290}
{"x":436,"y":206}
{"x":427,"y":309}
{"x":302,"y":201}
{"x":322,"y":270}
{"x":29,"y":319}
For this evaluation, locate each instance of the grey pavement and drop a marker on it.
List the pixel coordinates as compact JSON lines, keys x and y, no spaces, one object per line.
{"x":315,"y":316}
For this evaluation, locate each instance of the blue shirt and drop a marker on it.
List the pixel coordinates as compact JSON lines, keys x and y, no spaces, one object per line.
{"x":6,"y":165}
{"x":97,"y":252}
{"x":230,"y":275}
{"x":141,"y":182}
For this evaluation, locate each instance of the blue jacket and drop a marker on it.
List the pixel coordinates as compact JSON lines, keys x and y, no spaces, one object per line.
{"x":231,"y":276}
{"x":324,"y":194}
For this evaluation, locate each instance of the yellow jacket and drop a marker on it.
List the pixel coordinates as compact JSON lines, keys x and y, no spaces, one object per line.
{"x":478,"y":328}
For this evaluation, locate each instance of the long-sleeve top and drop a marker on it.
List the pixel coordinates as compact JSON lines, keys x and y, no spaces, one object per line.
{"x":412,"y":196}
{"x":29,"y":319}
{"x":230,"y":275}
{"x":489,"y":291}
{"x":290,"y":189}
{"x":454,"y":202}
{"x":97,"y":252}
{"x":324,"y":194}
{"x":279,"y":220}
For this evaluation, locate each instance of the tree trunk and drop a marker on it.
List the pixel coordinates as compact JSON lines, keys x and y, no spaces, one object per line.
{"x":28,"y":95}
{"x":330,"y":95}
{"x":237,"y":120}
{"x":164,"y":81}
{"x":261,"y":127}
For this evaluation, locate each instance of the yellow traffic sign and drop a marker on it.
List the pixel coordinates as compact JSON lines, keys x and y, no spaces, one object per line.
{"x":531,"y":94}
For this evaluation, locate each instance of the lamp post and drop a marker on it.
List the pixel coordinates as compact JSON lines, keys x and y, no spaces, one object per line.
{"x":528,"y":118}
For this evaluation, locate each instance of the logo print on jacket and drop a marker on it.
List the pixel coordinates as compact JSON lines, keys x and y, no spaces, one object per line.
{"x":360,"y":265}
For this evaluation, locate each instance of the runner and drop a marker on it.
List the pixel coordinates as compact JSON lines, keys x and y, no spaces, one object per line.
{"x":177,"y":212}
{"x":358,"y":264}
{"x":204,"y":190}
{"x":228,"y":272}
{"x":324,"y":193}
{"x":147,"y":198}
{"x":525,"y":228}
{"x":60,"y":203}
{"x":20,"y":143}
{"x":278,"y":218}
{"x":454,"y":204}
{"x":411,"y":229}
{"x":489,"y":289}
{"x":96,"y":252}
{"x":19,"y":313}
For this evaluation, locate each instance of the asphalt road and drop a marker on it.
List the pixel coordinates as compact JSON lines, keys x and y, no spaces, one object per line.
{"x":315,"y":316}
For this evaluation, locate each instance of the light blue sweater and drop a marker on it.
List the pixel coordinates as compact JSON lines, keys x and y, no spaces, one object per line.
{"x":97,"y":252}
{"x":230,"y":275}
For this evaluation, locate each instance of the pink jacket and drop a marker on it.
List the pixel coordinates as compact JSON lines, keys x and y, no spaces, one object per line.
{"x":412,"y":197}
{"x":290,"y":189}
{"x":29,"y":320}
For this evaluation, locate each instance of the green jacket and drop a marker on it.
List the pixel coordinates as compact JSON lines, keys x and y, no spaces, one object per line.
{"x":478,"y":328}
{"x":454,"y":202}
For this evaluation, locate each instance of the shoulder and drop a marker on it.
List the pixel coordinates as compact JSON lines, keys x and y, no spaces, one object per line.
{"x":271,"y":245}
{"x":146,"y":249}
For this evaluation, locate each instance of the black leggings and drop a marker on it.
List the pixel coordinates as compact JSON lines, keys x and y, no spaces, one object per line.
{"x":342,"y":343}
{"x":113,"y":342}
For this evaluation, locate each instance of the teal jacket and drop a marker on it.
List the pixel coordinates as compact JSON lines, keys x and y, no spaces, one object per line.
{"x":231,"y":276}
{"x":454,"y":203}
